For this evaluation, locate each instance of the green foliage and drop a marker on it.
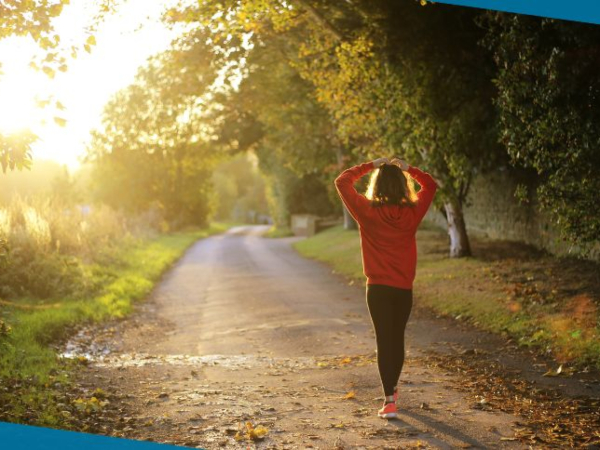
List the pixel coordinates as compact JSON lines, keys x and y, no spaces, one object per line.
{"x":274,"y":112}
{"x":549,"y":85}
{"x":411,"y":81}
{"x":153,"y":149}
{"x":44,"y":242}
{"x":239,"y":189}
{"x":15,"y":150}
{"x":399,"y":78}
{"x":388,"y":78}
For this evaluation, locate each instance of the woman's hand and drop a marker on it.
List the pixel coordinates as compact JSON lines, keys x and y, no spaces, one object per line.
{"x":380,"y":162}
{"x":400,"y":163}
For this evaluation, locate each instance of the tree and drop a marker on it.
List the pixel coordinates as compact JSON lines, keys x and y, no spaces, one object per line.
{"x":548,"y":77}
{"x":395,"y":78}
{"x":239,"y":188}
{"x":273,"y":112}
{"x":303,"y":137}
{"x":154,"y":147}
{"x":35,"y":20}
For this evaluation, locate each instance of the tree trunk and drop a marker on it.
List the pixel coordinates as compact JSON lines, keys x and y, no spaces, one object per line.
{"x":349,"y":222}
{"x":459,"y":240}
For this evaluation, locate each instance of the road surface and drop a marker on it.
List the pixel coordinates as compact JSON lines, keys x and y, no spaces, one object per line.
{"x":244,"y":330}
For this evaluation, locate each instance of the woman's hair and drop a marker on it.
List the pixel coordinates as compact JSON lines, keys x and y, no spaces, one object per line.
{"x":389,"y":186}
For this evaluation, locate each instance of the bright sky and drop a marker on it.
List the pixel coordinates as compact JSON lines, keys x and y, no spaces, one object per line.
{"x":124,"y":41}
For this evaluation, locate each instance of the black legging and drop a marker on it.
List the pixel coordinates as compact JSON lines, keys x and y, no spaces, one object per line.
{"x":389,"y":308}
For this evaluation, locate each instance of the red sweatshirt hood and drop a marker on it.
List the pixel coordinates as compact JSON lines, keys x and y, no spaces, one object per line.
{"x":401,"y":217}
{"x":387,"y":232}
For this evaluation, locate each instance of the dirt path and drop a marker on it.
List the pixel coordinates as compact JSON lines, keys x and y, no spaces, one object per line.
{"x":243,"y":329}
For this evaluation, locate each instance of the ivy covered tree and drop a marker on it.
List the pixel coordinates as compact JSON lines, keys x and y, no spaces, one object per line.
{"x":548,"y":77}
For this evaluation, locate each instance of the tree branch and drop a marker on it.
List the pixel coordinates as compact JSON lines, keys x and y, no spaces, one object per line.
{"x":318,"y":17}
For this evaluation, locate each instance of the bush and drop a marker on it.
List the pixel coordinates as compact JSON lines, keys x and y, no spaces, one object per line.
{"x":46,"y":246}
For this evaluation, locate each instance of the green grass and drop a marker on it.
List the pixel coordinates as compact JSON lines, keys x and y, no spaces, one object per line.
{"x":338,"y":247}
{"x":28,"y":359}
{"x":278,"y":232}
{"x":488,"y":292}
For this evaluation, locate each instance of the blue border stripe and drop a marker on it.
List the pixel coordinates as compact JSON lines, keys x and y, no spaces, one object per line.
{"x":579,"y":11}
{"x":28,"y":437}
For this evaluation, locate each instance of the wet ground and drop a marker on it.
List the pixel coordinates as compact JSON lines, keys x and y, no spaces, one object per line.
{"x":245,"y":343}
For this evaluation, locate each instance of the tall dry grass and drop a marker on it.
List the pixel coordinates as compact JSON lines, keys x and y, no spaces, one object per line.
{"x":50,"y":244}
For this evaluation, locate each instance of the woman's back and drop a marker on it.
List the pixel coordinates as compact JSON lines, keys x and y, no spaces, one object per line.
{"x":387,"y":231}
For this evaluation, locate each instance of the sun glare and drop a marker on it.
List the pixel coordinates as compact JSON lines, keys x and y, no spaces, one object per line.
{"x":19,"y":85}
{"x":17,"y":112}
{"x":124,"y":41}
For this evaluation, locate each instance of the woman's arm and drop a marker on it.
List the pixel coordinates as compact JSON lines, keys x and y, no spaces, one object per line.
{"x":427,"y":192}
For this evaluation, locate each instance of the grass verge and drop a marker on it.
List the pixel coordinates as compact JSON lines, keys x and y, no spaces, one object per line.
{"x":278,"y":232}
{"x":34,"y":379}
{"x":540,"y":301}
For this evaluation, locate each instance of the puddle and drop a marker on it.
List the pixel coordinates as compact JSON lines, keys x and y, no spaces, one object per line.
{"x":100,"y":359}
{"x":100,"y":354}
{"x":82,"y":345}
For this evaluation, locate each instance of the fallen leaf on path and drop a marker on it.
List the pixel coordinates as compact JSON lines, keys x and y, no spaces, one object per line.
{"x":250,"y":432}
{"x":553,"y":373}
{"x":350,"y":395}
{"x":561,"y":371}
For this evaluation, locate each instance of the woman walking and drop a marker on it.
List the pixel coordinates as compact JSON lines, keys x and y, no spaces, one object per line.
{"x":388,"y":217}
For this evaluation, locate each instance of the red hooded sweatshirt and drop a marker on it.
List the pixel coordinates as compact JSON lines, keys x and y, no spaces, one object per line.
{"x":387,"y":233}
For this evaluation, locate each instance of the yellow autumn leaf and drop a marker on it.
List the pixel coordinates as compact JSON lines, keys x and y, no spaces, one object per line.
{"x":259,"y":432}
{"x":60,"y":121}
{"x":553,"y":373}
{"x":350,"y":395}
{"x":49,"y":71}
{"x":251,"y":432}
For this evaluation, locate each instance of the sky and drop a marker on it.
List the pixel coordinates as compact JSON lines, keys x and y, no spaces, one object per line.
{"x":123,"y":43}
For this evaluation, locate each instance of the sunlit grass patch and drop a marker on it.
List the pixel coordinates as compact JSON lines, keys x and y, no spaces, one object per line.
{"x":338,"y":247}
{"x":278,"y":232}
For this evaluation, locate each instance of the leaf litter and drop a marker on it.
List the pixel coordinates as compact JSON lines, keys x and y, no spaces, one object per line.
{"x":550,"y":417}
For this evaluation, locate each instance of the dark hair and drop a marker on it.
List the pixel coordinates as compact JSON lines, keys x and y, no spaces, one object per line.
{"x":390,"y":186}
